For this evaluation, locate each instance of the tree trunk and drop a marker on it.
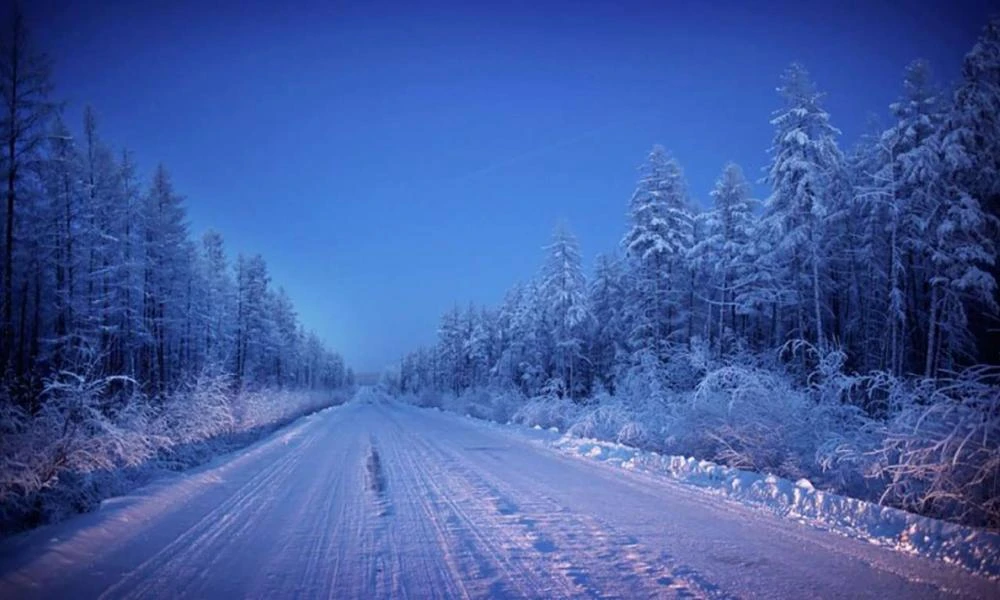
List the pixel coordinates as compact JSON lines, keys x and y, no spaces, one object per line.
{"x":929,"y":364}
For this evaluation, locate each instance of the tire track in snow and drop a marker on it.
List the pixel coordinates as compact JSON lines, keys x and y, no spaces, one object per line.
{"x":713,"y":546}
{"x":425,"y":566}
{"x":598,"y":561}
{"x":184,"y":562}
{"x":307,"y":556}
{"x":475,"y":565}
{"x":519,"y":558}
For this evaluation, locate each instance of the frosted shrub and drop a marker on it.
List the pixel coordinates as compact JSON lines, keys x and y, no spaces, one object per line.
{"x":941,"y":450}
{"x":89,"y":435}
{"x":68,"y":455}
{"x":506,"y":403}
{"x":20,"y":459}
{"x":199,"y":412}
{"x":846,"y":440}
{"x":253,"y":409}
{"x":429,"y":399}
{"x":546,"y":412}
{"x":452,"y":403}
{"x":476,"y":403}
{"x":746,"y":418}
{"x":847,"y":435}
{"x":602,"y":422}
{"x":636,"y":433}
{"x":83,"y":445}
{"x":684,"y":368}
{"x":264,"y":409}
{"x":644,"y":389}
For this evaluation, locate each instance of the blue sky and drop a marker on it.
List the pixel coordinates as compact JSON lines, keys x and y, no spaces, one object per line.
{"x":390,"y":159}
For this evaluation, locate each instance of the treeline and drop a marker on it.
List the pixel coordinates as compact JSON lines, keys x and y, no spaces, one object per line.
{"x":843,"y":330}
{"x":127,"y":346}
{"x":886,"y":253}
{"x":101,"y":275}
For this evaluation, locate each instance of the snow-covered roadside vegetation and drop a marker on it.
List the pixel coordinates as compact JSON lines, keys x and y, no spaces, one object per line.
{"x":126,"y":343}
{"x":845,"y":331}
{"x":934,"y":451}
{"x":81,"y":448}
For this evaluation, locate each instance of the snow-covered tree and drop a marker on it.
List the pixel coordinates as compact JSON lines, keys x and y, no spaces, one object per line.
{"x":608,"y":342}
{"x":726,"y":249}
{"x":25,"y":87}
{"x":961,"y":251}
{"x":656,"y":244}
{"x":973,"y":121}
{"x":911,"y":178}
{"x":803,"y":174}
{"x":166,"y":263}
{"x":564,"y":295}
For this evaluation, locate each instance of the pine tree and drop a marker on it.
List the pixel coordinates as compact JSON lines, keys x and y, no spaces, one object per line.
{"x":166,"y":263}
{"x":563,"y":290}
{"x":961,"y":252}
{"x":218,"y":299}
{"x":63,"y":186}
{"x":656,"y":244}
{"x":25,"y":88}
{"x":974,"y":122}
{"x":725,"y":248}
{"x":911,"y":177}
{"x":802,"y":174}
{"x":607,"y":347}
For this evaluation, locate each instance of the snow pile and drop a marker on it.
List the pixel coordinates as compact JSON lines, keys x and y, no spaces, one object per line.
{"x":971,"y":548}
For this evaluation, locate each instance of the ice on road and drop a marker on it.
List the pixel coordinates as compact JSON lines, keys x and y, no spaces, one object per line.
{"x":380,"y":500}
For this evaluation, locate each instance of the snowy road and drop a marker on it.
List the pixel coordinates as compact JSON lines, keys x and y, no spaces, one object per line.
{"x":387,"y":501}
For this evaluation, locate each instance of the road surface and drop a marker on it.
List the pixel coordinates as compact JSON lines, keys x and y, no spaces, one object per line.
{"x":378,"y":500}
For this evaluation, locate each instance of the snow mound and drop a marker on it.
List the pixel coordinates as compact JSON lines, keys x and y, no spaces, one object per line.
{"x":968,"y":547}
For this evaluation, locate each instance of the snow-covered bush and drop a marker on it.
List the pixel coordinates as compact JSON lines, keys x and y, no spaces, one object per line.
{"x":685,"y":367}
{"x":21,"y":460}
{"x":505,"y":403}
{"x":477,"y":403}
{"x":548,"y":412}
{"x":744,"y":417}
{"x":644,"y":383}
{"x":208,"y":397}
{"x":941,"y":450}
{"x":429,"y":399}
{"x":848,"y":429}
{"x":66,"y":457}
{"x":604,"y":421}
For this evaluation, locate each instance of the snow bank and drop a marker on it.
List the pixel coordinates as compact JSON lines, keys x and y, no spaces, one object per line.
{"x":971,"y":548}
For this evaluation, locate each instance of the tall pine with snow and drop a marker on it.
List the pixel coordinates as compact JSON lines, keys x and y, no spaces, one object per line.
{"x":726,"y":251}
{"x":608,"y":339}
{"x":25,"y":89}
{"x":564,"y":294}
{"x":911,"y":181}
{"x":656,"y":245}
{"x":974,"y":125}
{"x":803,"y":174}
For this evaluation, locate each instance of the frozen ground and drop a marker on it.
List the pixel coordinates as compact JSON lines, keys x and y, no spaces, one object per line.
{"x":376,"y":500}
